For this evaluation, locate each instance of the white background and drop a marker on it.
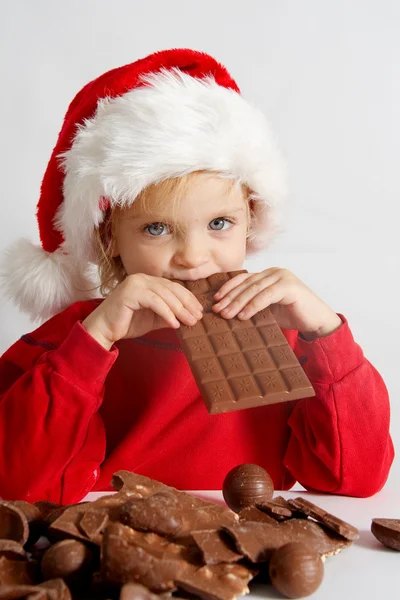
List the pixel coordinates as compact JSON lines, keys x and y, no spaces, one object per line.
{"x":325,"y":73}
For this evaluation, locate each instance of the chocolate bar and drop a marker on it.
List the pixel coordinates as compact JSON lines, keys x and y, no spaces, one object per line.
{"x":237,"y":363}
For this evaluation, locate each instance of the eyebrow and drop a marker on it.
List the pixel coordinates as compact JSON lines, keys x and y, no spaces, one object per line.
{"x":221,"y":211}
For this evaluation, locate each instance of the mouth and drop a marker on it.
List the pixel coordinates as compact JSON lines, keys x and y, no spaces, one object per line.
{"x":194,"y":277}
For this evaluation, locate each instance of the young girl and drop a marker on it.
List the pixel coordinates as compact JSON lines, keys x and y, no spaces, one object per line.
{"x":163,"y":172}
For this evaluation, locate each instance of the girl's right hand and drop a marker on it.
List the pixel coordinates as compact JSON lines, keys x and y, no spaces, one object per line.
{"x":142,"y":303}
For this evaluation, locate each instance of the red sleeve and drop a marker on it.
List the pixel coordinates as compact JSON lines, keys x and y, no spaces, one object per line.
{"x":340,"y":441}
{"x":52,"y":438}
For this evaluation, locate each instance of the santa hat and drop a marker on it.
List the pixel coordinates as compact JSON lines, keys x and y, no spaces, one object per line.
{"x":172,"y":113}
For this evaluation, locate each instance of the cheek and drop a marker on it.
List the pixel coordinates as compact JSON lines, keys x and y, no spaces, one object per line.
{"x":230,"y":256}
{"x":138,"y":259}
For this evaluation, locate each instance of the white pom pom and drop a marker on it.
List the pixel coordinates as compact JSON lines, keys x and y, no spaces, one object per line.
{"x":42,"y":283}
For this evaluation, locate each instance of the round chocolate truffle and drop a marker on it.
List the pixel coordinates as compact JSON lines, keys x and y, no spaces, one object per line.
{"x":246,"y":485}
{"x":68,"y":559}
{"x":295,"y":570}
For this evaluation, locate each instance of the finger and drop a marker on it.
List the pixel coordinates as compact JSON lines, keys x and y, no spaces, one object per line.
{"x":175,"y":304}
{"x":270,"y":295}
{"x":187,"y":298}
{"x":231,"y":284}
{"x":246,"y":297}
{"x":241,"y":295}
{"x":155,"y":303}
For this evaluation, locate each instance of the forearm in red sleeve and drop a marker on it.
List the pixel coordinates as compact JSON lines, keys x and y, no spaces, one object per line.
{"x":340,"y":441}
{"x":52,"y":439}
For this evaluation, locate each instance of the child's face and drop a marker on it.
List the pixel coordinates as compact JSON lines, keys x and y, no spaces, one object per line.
{"x":204,"y":234}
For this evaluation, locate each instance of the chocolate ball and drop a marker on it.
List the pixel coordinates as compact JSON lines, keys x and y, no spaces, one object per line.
{"x":246,"y":485}
{"x":295,"y":570}
{"x":69,"y":560}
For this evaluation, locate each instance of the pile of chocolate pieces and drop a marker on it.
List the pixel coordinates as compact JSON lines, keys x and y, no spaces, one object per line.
{"x":149,"y":541}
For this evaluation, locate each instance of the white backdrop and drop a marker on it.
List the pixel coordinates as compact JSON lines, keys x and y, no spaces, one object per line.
{"x":327,"y":76}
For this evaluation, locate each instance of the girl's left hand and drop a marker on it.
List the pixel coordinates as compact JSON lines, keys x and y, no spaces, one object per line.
{"x":292,"y":303}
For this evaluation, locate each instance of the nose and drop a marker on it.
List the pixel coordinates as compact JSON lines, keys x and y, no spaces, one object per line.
{"x":191,"y":254}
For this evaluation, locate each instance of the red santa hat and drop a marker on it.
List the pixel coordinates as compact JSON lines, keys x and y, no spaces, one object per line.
{"x":166,"y":115}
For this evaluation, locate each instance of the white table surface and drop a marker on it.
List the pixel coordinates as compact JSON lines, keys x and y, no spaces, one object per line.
{"x":364,"y":571}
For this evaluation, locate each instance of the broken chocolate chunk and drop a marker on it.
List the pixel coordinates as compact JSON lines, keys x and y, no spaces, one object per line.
{"x":196,"y":513}
{"x":330,"y":521}
{"x":128,"y":556}
{"x":93,"y":522}
{"x":12,"y":550}
{"x":251,"y":513}
{"x":217,"y":582}
{"x":160,"y":513}
{"x":13,"y":523}
{"x":387,"y":531}
{"x":17,"y":572}
{"x":257,"y":541}
{"x":216,"y":547}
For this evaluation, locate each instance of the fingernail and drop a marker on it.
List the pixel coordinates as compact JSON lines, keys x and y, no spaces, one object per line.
{"x":241,"y":314}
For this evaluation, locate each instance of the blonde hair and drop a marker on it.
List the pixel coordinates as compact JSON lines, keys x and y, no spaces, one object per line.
{"x":111,"y":269}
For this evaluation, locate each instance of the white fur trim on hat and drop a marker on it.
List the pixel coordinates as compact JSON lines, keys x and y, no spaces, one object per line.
{"x":173,"y":125}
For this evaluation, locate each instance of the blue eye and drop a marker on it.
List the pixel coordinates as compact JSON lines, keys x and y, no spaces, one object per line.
{"x":156,"y":229}
{"x":218,"y":224}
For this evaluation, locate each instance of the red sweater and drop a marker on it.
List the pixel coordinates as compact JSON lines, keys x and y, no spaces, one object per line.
{"x":73,"y":413}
